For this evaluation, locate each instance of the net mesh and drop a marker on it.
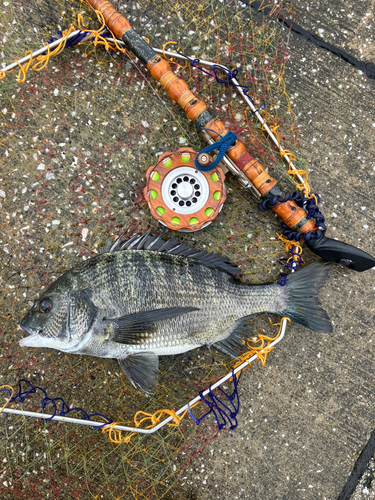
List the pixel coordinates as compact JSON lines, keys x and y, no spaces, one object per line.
{"x":75,"y":142}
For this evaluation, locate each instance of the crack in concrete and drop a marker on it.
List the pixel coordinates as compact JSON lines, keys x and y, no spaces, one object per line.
{"x":367,"y":68}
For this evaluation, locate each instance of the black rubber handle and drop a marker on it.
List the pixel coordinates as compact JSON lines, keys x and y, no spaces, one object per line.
{"x":341,"y":253}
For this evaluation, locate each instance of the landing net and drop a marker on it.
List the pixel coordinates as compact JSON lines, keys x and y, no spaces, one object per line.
{"x":76,"y":139}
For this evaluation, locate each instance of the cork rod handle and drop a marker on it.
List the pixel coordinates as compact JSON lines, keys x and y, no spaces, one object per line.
{"x":113,"y":19}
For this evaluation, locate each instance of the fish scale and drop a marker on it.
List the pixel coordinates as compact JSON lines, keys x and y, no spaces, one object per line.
{"x":148,"y":297}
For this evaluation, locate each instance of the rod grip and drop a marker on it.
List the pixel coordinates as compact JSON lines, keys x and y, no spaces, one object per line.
{"x":113,"y":19}
{"x":177,"y":89}
{"x":292,"y":215}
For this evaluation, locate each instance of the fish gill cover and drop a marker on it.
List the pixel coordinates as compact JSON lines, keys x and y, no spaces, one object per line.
{"x":76,"y":140}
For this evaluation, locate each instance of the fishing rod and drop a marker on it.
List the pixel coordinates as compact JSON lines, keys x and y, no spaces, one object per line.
{"x":185,"y":190}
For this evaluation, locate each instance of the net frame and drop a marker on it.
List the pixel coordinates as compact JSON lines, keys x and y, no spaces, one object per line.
{"x":167,"y":420}
{"x":242,"y":92}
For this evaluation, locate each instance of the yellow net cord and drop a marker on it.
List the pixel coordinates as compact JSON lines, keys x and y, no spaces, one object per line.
{"x":156,"y":417}
{"x":171,"y":60}
{"x":301,"y":186}
{"x":11,"y":390}
{"x":98,"y":39}
{"x":115,"y":435}
{"x":260,"y":346}
{"x":42,"y":60}
{"x":291,"y":245}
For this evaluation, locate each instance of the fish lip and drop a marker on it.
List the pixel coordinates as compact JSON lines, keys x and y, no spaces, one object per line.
{"x":27,"y":329}
{"x":31,"y":341}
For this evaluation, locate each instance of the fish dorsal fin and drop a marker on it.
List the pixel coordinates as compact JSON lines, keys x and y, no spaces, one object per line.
{"x":172,"y":246}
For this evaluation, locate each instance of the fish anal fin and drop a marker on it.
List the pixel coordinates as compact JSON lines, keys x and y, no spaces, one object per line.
{"x":141,"y":369}
{"x":137,"y":328}
{"x":233,"y":344}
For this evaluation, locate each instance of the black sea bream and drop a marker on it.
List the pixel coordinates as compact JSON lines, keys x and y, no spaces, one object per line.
{"x":147,"y":297}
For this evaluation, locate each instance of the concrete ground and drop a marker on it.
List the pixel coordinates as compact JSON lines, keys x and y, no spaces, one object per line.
{"x":307,"y":414}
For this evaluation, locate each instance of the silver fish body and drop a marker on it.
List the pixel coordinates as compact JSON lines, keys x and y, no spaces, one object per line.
{"x":148,"y":297}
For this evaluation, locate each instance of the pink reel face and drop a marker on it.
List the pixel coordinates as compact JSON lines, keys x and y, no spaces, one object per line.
{"x":181,"y":197}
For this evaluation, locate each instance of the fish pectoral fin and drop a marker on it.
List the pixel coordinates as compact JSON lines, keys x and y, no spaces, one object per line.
{"x":232,"y":345}
{"x":137,"y":328}
{"x":141,"y":369}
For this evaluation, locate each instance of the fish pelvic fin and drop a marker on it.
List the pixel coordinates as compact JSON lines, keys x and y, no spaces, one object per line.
{"x":141,"y":369}
{"x":303,"y":305}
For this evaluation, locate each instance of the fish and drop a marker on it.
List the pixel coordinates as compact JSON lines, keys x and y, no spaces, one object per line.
{"x":146,"y":297}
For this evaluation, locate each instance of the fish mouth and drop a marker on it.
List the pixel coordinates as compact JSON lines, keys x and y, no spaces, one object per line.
{"x":27,"y":329}
{"x":32,"y":340}
{"x":35,"y":338}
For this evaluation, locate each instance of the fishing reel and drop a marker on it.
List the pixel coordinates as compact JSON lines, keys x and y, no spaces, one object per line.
{"x":181,"y":197}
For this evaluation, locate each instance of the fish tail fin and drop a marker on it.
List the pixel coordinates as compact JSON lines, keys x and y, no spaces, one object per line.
{"x":303,"y":306}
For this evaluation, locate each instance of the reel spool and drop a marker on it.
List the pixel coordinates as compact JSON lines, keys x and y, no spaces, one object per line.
{"x":182,"y":197}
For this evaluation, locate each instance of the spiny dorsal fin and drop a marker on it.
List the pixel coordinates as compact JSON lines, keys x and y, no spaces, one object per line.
{"x":172,"y":246}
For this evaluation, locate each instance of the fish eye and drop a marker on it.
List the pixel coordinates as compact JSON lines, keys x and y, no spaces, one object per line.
{"x":45,"y":306}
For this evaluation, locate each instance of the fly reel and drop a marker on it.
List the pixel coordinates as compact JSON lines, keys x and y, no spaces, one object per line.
{"x":182,"y":197}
